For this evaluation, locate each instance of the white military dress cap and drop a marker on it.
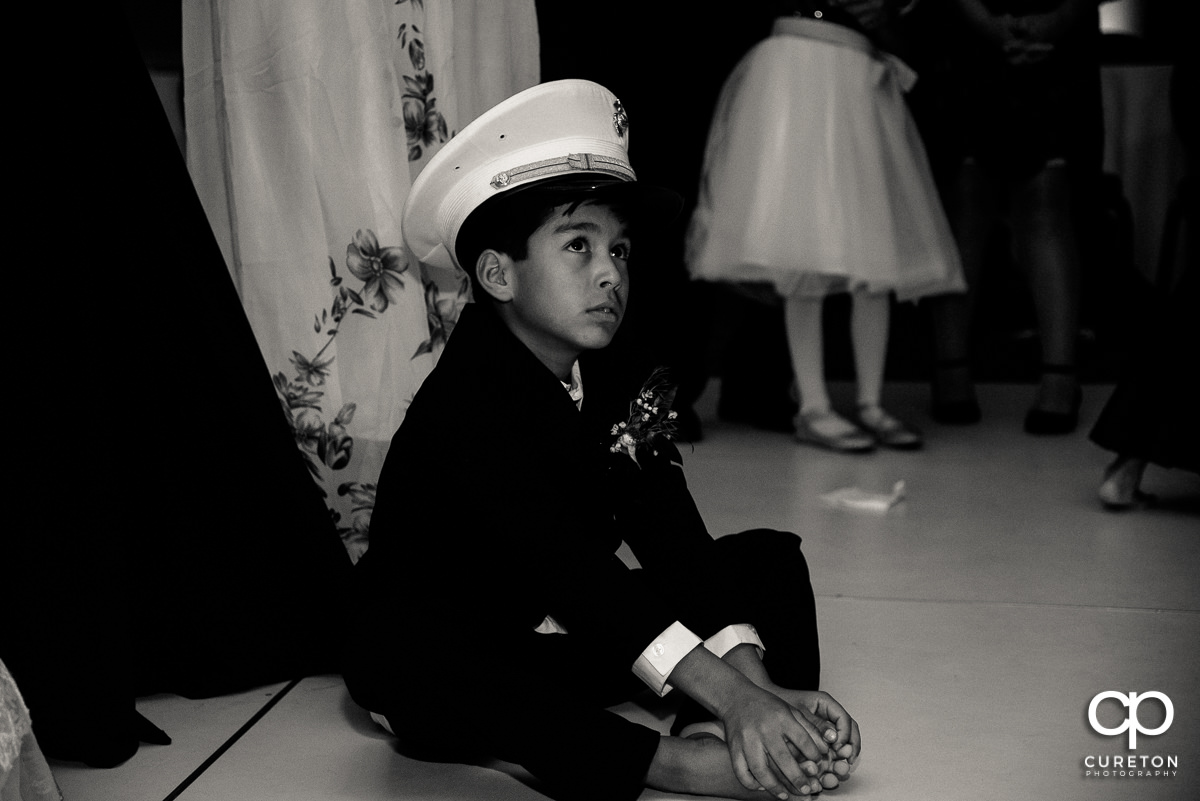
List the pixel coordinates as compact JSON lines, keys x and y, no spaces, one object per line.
{"x":568,"y":129}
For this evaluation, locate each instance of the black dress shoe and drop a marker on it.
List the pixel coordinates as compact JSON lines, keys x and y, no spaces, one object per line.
{"x":1043,"y":422}
{"x":956,"y":413}
{"x":961,"y":412}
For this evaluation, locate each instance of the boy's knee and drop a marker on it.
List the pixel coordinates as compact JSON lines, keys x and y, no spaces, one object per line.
{"x":763,"y":543}
{"x":765,"y":552}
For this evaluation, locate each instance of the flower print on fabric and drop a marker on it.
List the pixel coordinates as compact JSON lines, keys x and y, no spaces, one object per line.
{"x":424,"y":125}
{"x":379,"y":268}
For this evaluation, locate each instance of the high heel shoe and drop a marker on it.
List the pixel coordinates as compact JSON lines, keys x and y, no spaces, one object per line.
{"x":1044,"y":422}
{"x":959,"y":412}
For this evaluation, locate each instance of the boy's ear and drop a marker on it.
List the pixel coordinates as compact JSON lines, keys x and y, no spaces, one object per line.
{"x":494,"y":271}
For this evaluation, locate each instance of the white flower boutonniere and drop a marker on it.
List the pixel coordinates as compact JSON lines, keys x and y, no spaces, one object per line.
{"x":650,"y":417}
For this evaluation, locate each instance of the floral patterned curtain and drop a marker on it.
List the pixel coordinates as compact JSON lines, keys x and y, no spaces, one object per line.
{"x":306,"y":122}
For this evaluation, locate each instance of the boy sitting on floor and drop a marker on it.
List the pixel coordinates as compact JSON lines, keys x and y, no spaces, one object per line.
{"x":498,"y":619}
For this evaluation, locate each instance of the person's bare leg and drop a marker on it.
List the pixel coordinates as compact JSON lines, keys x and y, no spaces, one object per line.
{"x":817,"y":420}
{"x":869,"y":320}
{"x":870,"y":315}
{"x":806,"y":345}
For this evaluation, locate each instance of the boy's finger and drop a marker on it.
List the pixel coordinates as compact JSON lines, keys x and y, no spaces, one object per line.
{"x":829,"y":708}
{"x":855,"y":741}
{"x":828,"y":732}
{"x":791,"y":774}
{"x":767,"y":779}
{"x":847,"y":727}
{"x":806,"y":765}
{"x":754,"y":774}
{"x":807,"y":739}
{"x":742,"y":770}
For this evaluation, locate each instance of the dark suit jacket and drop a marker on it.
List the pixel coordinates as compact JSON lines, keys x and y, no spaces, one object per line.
{"x":499,"y":503}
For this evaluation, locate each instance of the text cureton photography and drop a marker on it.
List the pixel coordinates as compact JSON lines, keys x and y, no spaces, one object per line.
{"x":1130,"y":765}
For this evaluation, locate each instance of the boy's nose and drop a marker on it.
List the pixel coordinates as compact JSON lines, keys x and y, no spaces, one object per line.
{"x":608,"y":272}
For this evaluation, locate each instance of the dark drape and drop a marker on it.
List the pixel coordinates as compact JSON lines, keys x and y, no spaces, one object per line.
{"x":168,"y":536}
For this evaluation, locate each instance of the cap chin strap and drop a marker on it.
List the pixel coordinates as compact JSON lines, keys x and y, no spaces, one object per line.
{"x":573,"y":162}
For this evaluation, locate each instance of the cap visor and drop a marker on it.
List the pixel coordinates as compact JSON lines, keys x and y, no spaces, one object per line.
{"x":645,"y":203}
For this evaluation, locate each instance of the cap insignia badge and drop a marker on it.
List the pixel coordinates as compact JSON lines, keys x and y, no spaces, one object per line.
{"x":620,"y":118}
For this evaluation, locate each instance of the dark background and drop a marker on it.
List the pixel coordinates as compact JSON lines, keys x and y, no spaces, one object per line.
{"x":666,"y":61}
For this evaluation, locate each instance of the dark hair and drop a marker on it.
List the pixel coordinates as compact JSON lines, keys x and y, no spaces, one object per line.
{"x":506,"y":222}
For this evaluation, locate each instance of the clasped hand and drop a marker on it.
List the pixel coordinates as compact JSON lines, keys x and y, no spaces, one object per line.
{"x":790,"y":742}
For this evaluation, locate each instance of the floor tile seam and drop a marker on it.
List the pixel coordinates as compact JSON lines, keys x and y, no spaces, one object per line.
{"x":1015,"y":604}
{"x":237,"y":735}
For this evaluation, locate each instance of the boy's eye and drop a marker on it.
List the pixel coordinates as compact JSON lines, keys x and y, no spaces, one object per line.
{"x":577,"y":245}
{"x":621,"y":252}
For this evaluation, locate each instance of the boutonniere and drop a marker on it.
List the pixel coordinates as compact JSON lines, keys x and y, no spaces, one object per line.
{"x":650,"y":417}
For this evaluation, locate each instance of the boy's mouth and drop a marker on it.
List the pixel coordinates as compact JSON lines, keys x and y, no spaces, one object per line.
{"x":606,"y":308}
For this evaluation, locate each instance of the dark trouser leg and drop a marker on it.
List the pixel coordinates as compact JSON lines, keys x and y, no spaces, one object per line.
{"x":972,"y":210}
{"x":539,"y":700}
{"x":539,"y":704}
{"x":767,"y":571}
{"x":769,"y":568}
{"x":1044,"y":232}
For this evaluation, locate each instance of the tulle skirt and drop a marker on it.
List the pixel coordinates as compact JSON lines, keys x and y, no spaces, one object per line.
{"x":815,"y":178}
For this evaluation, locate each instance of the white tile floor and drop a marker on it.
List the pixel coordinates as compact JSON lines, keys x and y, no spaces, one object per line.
{"x":967,"y":630}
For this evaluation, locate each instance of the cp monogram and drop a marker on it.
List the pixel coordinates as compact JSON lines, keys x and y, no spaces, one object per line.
{"x":1132,"y":724}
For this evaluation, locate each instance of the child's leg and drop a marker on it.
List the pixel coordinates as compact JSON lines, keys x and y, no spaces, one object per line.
{"x":536,"y":700}
{"x":769,"y":573}
{"x":817,"y":422}
{"x":764,"y":581}
{"x":869,"y":320}
{"x":802,"y":318}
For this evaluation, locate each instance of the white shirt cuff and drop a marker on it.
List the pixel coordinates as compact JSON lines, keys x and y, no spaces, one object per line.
{"x":724,"y":640}
{"x":663,"y":654}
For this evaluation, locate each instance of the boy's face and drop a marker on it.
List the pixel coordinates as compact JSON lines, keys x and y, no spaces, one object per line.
{"x":568,"y":295}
